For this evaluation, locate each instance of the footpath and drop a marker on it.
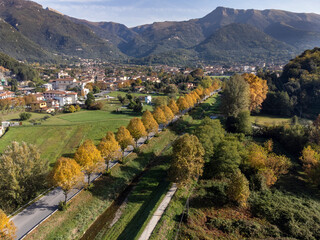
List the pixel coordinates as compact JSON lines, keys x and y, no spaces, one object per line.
{"x":158,"y":213}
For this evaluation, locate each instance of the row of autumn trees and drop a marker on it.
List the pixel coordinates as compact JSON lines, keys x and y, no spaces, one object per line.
{"x":18,"y":187}
{"x":69,"y":173}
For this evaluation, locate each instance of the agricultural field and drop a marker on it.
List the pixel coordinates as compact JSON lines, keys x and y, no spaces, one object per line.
{"x":61,"y":134}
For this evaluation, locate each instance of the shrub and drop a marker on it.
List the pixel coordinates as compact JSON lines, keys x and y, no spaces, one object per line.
{"x":238,"y":189}
{"x":136,"y":150}
{"x":24,"y":116}
{"x":96,"y":106}
{"x":297,"y":217}
{"x":63,"y":206}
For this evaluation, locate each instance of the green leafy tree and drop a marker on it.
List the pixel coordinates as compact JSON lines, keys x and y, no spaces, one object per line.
{"x":235,"y":97}
{"x":24,"y":116}
{"x":227,"y":157}
{"x":210,"y":133}
{"x":90,"y":100}
{"x":23,"y":173}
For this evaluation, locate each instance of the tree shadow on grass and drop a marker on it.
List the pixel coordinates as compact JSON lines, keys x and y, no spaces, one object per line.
{"x":149,"y":202}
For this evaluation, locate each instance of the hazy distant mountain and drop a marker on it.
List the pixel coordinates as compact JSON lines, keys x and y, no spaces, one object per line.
{"x":224,"y":35}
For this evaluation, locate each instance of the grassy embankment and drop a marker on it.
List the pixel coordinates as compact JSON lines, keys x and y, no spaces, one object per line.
{"x":141,"y":202}
{"x":88,"y":205}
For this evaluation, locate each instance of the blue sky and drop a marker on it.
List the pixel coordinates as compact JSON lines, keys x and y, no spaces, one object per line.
{"x":137,"y":12}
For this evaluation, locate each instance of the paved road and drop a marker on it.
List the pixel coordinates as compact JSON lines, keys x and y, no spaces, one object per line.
{"x":158,"y":213}
{"x":30,"y":217}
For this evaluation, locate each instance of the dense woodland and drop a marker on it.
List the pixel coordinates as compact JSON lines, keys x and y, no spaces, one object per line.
{"x":242,"y":184}
{"x":23,"y":71}
{"x":296,"y":91}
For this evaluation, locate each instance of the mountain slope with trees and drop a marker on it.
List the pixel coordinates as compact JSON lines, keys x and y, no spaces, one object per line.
{"x":247,"y":36}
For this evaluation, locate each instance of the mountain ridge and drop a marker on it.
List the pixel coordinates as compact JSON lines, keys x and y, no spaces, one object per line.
{"x":181,"y":40}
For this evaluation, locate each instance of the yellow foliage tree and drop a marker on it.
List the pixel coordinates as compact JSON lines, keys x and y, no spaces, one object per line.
{"x":149,"y":122}
{"x":159,"y":116}
{"x":67,"y":175}
{"x":199,"y":91}
{"x":109,"y":148}
{"x":173,"y":106}
{"x":89,"y":158}
{"x":167,"y":112}
{"x":187,"y":160}
{"x":72,"y":109}
{"x":238,"y":189}
{"x":193,"y":98}
{"x":136,"y":129}
{"x":268,"y":164}
{"x":206,"y":92}
{"x":7,"y":228}
{"x":311,"y":164}
{"x":124,"y":138}
{"x":189,"y":100}
{"x":182,"y":104}
{"x":196,"y":96}
{"x":258,"y":90}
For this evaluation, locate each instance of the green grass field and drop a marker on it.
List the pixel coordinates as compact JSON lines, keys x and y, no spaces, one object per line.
{"x":269,"y":120}
{"x":63,"y":133}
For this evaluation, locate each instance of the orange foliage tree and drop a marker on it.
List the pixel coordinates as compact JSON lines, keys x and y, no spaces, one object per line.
{"x":189,"y":100}
{"x":173,"y":106}
{"x":149,"y":122}
{"x":124,"y":138}
{"x":159,"y":116}
{"x":258,"y":90}
{"x":67,"y":175}
{"x":167,"y":112}
{"x":109,"y":148}
{"x":182,"y":104}
{"x":89,"y":158}
{"x":136,"y":129}
{"x":7,"y":228}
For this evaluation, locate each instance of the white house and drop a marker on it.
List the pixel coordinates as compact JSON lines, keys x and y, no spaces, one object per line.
{"x":63,"y":83}
{"x":47,"y":86}
{"x":64,"y":97}
{"x":148,"y":99}
{"x":6,"y":94}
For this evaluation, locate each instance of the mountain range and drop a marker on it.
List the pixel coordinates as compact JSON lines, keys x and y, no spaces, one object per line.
{"x":30,"y":32}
